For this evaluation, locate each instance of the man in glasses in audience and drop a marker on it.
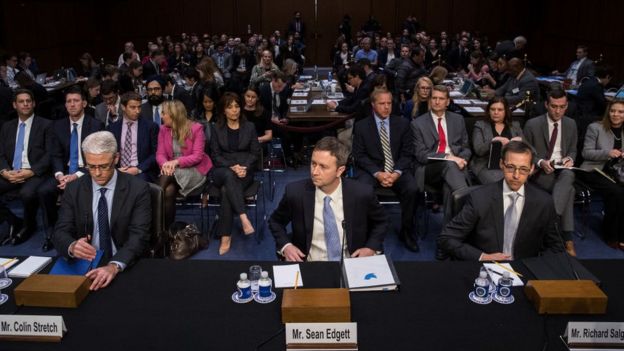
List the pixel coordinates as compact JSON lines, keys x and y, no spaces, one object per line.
{"x":507,"y":220}
{"x":107,"y":211}
{"x":152,"y":108}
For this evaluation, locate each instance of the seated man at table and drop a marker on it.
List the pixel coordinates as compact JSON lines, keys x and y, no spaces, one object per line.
{"x":356,"y":103}
{"x":519,"y":83}
{"x":325,"y":208}
{"x":382,"y":151}
{"x":106,"y":210}
{"x":274,"y":96}
{"x":580,"y":68}
{"x":507,"y":220}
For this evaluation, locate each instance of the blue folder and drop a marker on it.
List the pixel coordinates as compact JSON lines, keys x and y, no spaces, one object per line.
{"x":75,"y":266}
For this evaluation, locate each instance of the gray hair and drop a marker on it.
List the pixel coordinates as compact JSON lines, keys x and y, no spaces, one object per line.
{"x":520,"y":40}
{"x":100,"y":143}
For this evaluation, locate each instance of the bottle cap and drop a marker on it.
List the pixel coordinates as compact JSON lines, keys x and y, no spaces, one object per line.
{"x":243,"y":276}
{"x":264,"y":274}
{"x":483,"y":274}
{"x":506,"y":274}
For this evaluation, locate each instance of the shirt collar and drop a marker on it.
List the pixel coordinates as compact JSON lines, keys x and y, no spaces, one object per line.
{"x":110,"y":185}
{"x":507,"y":190}
{"x":126,"y":120}
{"x":378,"y":120}
{"x":28,"y":120}
{"x":334,"y":196}
{"x":79,"y":121}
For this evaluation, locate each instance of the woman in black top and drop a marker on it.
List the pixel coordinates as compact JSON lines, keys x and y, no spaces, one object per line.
{"x":235,"y":152}
{"x":132,"y":80}
{"x":207,"y":113}
{"x":256,"y":114}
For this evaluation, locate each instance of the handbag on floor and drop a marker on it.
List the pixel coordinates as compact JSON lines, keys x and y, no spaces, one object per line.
{"x":185,"y":240}
{"x":616,"y":171}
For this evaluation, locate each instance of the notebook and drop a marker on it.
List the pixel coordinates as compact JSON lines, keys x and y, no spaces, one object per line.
{"x":63,"y":266}
{"x":373,"y":273}
{"x":30,"y":266}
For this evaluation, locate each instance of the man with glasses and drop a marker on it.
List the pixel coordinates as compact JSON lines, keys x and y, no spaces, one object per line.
{"x":507,"y":220}
{"x":107,"y":211}
{"x":109,"y":110}
{"x":152,"y":109}
{"x":554,"y":137}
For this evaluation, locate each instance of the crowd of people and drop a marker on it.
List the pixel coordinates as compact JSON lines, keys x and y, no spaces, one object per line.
{"x":198,"y":110}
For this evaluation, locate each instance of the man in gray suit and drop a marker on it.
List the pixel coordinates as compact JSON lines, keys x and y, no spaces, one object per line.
{"x":520,"y":82}
{"x":580,"y":68}
{"x":109,"y":110}
{"x":441,"y":134}
{"x":554,"y":136}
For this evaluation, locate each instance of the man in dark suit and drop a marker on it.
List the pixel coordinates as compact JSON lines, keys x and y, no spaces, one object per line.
{"x":383,"y":151}
{"x":554,"y":137}
{"x":223,"y":60}
{"x":25,"y":145}
{"x":506,"y":220}
{"x":175,"y":92}
{"x":274,"y":96}
{"x":409,"y":71}
{"x":590,"y":98}
{"x":297,"y":25}
{"x":109,"y":110}
{"x":122,"y":203}
{"x":324,"y":209}
{"x":441,"y":134}
{"x":152,"y":109}
{"x":459,"y":56}
{"x":511,"y":48}
{"x":357,"y":102}
{"x":137,"y":139}
{"x":152,"y":66}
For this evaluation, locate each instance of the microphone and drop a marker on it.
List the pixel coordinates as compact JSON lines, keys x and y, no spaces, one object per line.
{"x":344,"y":234}
{"x":565,"y":253}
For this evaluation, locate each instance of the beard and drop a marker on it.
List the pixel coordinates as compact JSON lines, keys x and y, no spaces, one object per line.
{"x":155,"y":100}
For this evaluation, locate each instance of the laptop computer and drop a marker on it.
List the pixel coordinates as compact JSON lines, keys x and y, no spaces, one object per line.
{"x":41,"y":77}
{"x":619,"y":95}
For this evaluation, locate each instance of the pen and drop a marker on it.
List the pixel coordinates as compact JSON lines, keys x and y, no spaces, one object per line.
{"x":296,"y":280}
{"x":507,"y":269}
{"x":7,"y":263}
{"x":493,"y":272}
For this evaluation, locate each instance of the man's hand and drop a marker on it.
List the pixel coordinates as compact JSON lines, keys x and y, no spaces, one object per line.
{"x":461,"y":163}
{"x":350,"y":88}
{"x":63,"y":180}
{"x":546,"y":166}
{"x":22,"y":175}
{"x":363,"y":252}
{"x":82,"y":249}
{"x":568,"y":162}
{"x":331,"y":105}
{"x":131,"y":170}
{"x":293,"y":254}
{"x":501,"y":140}
{"x":497,"y":256}
{"x":102,"y":276}
{"x":10,"y":176}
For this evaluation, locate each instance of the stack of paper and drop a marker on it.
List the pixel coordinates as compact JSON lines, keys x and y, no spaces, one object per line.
{"x":462,"y":101}
{"x":373,"y":273}
{"x":8,"y":262}
{"x":473,"y":109}
{"x":284,"y":276}
{"x":30,"y":266}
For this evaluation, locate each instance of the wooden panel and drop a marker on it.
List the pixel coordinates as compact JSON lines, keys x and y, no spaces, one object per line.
{"x":248,"y":14}
{"x":221,"y":18}
{"x":385,"y":13}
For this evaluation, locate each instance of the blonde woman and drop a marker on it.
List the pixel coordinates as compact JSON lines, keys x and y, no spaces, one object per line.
{"x":419,"y":103}
{"x":180,"y":155}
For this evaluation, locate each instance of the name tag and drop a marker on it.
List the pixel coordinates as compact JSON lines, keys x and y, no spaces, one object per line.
{"x":33,"y":328}
{"x":515,"y":90}
{"x":595,"y":334}
{"x":328,"y":334}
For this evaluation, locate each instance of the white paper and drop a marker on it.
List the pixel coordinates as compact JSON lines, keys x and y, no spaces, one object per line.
{"x":302,"y":77}
{"x":478,"y":102}
{"x":368,"y":271}
{"x":284,"y":276}
{"x":31,"y":265}
{"x":496,"y":268}
{"x":461,"y":102}
{"x":300,"y":94}
{"x":455,"y":93}
{"x":518,"y":110}
{"x":3,"y":262}
{"x":318,"y":102}
{"x":474,"y":109}
{"x":302,"y":90}
{"x":298,"y":102}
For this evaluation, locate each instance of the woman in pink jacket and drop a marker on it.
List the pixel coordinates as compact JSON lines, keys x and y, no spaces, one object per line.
{"x":180,"y":155}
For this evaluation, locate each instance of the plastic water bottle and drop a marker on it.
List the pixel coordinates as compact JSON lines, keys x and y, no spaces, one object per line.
{"x":491,"y":285}
{"x":503,"y":290}
{"x":329,"y":77}
{"x":482,"y":287}
{"x":244,"y":287}
{"x":264,"y":285}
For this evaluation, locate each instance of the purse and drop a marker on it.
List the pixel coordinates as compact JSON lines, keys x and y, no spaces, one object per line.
{"x":617,"y":171}
{"x":185,"y":240}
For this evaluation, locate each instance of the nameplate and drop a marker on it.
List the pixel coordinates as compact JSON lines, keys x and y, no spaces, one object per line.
{"x":31,"y":328}
{"x":321,"y":336}
{"x":605,"y":334}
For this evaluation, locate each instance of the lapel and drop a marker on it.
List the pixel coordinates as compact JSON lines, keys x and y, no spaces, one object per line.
{"x":86,"y":128}
{"x":544,"y":123}
{"x":562,"y":131}
{"x":86,"y":198}
{"x":433,"y":130}
{"x":348,"y":203}
{"x":395,"y":138}
{"x":12,"y":139}
{"x":242,"y":137}
{"x":34,"y":135}
{"x":65,"y":134}
{"x":526,"y":211}
{"x":372,"y":127}
{"x":308,"y":210}
{"x":140,"y":135}
{"x":499,"y":215}
{"x":119,"y":198}
{"x":450,"y":128}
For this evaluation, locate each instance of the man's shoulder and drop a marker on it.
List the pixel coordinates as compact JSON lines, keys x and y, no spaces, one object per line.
{"x":135,"y":184}
{"x":355,"y":188}
{"x":452,"y":116}
{"x":537,"y":195}
{"x":534,"y":122}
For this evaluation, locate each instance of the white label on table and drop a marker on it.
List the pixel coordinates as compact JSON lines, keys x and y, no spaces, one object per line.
{"x":321,"y":333}
{"x":29,"y":325}
{"x":595,"y":333}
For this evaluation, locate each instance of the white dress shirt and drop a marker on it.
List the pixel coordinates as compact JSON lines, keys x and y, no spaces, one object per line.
{"x":435,"y":117}
{"x":318,"y":247}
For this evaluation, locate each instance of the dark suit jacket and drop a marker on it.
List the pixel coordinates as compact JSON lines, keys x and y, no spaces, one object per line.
{"x":150,"y":69}
{"x":426,"y":141}
{"x":179,"y":93}
{"x":479,"y":227}
{"x":367,"y":150}
{"x":266,"y":99}
{"x":536,"y":134}
{"x":407,"y":75}
{"x":247,"y":154}
{"x":130,"y":220}
{"x":365,"y":220}
{"x":292,"y":28}
{"x":482,"y":139}
{"x":62,"y":133}
{"x":40,"y":143}
{"x":147,"y":142}
{"x":147,"y":112}
{"x":514,"y":89}
{"x":101,"y":113}
{"x":458,"y":58}
{"x":590,"y":98}
{"x":383,"y":56}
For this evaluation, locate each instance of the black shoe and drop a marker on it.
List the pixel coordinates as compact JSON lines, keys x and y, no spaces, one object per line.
{"x":22,"y":235}
{"x":15,"y":227}
{"x":409,"y":241}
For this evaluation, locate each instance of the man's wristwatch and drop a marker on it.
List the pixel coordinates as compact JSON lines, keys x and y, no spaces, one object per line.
{"x":117,"y":265}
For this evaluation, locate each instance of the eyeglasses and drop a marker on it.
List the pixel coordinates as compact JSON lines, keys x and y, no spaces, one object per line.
{"x":93,"y":168}
{"x":153,"y":89}
{"x":512,"y":169}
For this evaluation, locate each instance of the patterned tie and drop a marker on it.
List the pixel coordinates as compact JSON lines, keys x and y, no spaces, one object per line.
{"x":127,"y":147}
{"x":332,"y":239}
{"x":106,"y":244}
{"x":157,"y":116}
{"x":511,"y":224}
{"x":442,"y":145}
{"x":385,"y":146}
{"x":73,"y":150}
{"x":553,"y":141}
{"x":19,"y":147}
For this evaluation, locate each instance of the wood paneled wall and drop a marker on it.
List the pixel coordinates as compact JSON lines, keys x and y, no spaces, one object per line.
{"x":57,"y":31}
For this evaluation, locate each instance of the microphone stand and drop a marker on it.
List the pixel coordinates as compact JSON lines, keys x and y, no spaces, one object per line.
{"x":565,"y":253}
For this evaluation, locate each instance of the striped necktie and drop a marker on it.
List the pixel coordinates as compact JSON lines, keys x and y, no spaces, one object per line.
{"x":385,"y":146}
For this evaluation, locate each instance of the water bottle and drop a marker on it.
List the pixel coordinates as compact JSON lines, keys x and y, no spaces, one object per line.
{"x":491,"y":285}
{"x":329,"y":77}
{"x":244,"y":287}
{"x":503,"y":290}
{"x":316,"y":73}
{"x":264,"y":285}
{"x":482,"y":285}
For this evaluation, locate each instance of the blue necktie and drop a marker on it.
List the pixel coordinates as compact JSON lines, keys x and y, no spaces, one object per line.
{"x":332,"y":239}
{"x":106,"y":244}
{"x":73,"y":150}
{"x":157,"y":116}
{"x":19,"y":147}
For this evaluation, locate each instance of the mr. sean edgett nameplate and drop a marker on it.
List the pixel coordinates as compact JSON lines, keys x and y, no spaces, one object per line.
{"x":33,"y":328}
{"x":320,"y":336}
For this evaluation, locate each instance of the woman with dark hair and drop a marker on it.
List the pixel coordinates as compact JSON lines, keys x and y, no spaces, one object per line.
{"x":92,"y":87}
{"x":88,"y":67}
{"x":242,"y":63}
{"x":489,"y":136}
{"x":477,"y":67}
{"x":602,"y":148}
{"x":209,"y":73}
{"x":258,"y":115}
{"x":132,"y":80}
{"x":178,"y":59}
{"x":180,"y":155}
{"x":206,"y":114}
{"x":198,"y":54}
{"x":235,"y":152}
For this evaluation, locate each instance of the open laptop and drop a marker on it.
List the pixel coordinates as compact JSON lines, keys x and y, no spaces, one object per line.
{"x":466,"y":89}
{"x":619,"y":95}
{"x":41,"y":77}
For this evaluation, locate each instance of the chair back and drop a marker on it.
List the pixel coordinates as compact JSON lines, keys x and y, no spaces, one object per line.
{"x":459,"y":198}
{"x":159,"y":238}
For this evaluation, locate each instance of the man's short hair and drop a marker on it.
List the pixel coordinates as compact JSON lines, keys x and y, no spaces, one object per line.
{"x":518,"y":147}
{"x":278,"y":75}
{"x":98,"y":143}
{"x":378,"y":91}
{"x":335,"y":147}
{"x":127,"y":55}
{"x":75,"y":89}
{"x":131,"y":95}
{"x":556,"y":93}
{"x":23,"y":91}
{"x":416,"y":51}
{"x":356,"y":71}
{"x":584,"y":48}
{"x":441,"y":88}
{"x":603,"y":71}
{"x":156,"y":52}
{"x":109,"y":86}
{"x":191,"y":73}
